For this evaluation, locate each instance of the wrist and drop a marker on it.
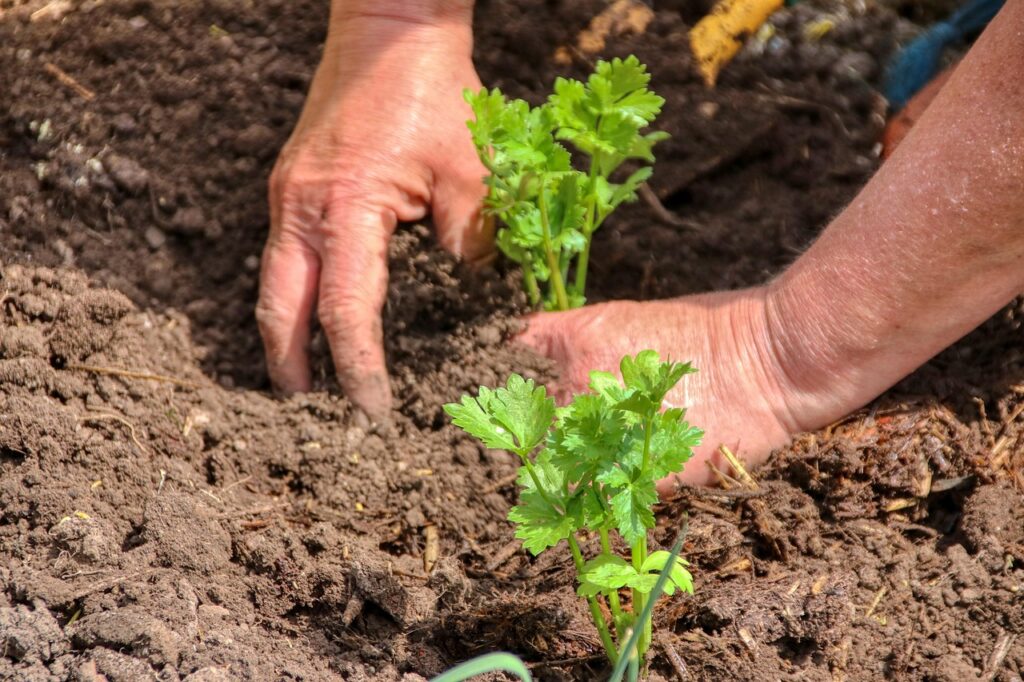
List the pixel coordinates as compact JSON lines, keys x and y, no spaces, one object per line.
{"x":828,"y":356}
{"x":432,"y":12}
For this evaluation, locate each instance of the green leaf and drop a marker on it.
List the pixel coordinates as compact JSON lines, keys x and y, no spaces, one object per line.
{"x":605,"y":573}
{"x":471,"y":415}
{"x":516,"y":417}
{"x":539,"y":523}
{"x":588,"y":437}
{"x":606,"y":385}
{"x":631,"y":508}
{"x":672,"y":442}
{"x":492,"y":662}
{"x":627,"y":190}
{"x":678,"y":575}
{"x":648,"y":375}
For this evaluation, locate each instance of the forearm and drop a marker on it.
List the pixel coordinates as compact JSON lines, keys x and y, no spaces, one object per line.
{"x":931,"y":247}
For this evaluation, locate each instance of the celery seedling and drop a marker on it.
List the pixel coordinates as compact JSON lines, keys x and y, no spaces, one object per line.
{"x":596,"y":466}
{"x":549,"y":209}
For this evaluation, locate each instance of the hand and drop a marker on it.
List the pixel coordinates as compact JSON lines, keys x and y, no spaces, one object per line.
{"x":739,"y":395}
{"x":382,"y":137}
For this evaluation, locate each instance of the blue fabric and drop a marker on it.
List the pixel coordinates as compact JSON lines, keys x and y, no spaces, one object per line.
{"x":917,"y":63}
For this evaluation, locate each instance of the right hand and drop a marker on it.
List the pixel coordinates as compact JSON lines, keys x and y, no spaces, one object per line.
{"x":382,"y":137}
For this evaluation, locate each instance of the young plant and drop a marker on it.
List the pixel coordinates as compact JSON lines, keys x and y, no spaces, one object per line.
{"x":549,"y":209}
{"x":592,"y":467}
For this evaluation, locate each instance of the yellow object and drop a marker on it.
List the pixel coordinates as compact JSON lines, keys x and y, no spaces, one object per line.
{"x":717,"y":38}
{"x":816,"y":30}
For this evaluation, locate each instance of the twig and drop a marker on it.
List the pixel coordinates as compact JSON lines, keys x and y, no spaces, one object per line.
{"x":875,"y":601}
{"x":506,"y":553}
{"x":112,"y":371}
{"x":65,"y":79}
{"x":678,"y":664}
{"x":662,"y":213}
{"x":995,"y":660}
{"x":713,"y":509}
{"x":787,"y":102}
{"x":737,"y":465}
{"x":500,"y":483}
{"x":120,"y":420}
{"x":238,"y":482}
{"x":565,"y":661}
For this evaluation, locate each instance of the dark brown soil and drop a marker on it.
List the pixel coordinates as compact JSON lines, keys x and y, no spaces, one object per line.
{"x":162,"y":516}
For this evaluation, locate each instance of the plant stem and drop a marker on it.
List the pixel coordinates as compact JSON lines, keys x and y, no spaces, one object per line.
{"x":553,"y":264}
{"x":581,"y":267}
{"x":577,"y":558}
{"x":640,"y":548}
{"x":613,"y":596}
{"x":530,"y":280}
{"x":595,"y":608}
{"x":588,"y":232}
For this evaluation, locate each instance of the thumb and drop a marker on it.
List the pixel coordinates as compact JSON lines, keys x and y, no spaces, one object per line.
{"x":544,"y":334}
{"x":353,"y":287}
{"x":462,"y":227}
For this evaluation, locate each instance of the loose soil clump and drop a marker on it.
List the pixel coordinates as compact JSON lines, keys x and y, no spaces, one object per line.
{"x":164,"y":516}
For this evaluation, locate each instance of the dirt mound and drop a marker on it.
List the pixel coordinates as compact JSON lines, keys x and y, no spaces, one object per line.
{"x":162,"y":515}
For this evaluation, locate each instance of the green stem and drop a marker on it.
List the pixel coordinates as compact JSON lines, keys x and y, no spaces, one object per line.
{"x":588,"y":232}
{"x":613,"y":596}
{"x":530,"y":280}
{"x":536,"y":482}
{"x":595,"y":608}
{"x":556,"y":272}
{"x":581,"y":267}
{"x":639,"y":550}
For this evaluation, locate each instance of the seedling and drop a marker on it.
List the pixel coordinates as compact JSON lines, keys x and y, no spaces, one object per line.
{"x":549,"y":209}
{"x":592,"y":467}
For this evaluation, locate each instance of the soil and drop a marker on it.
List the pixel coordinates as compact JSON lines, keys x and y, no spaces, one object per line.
{"x":164,"y":516}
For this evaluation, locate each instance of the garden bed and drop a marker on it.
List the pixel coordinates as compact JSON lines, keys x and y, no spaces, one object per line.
{"x":162,"y":515}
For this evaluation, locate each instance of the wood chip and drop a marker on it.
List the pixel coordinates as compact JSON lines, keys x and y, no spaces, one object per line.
{"x":432,"y":549}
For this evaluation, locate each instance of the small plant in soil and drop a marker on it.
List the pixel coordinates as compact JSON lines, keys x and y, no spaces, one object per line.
{"x":591,"y":468}
{"x":549,"y":210}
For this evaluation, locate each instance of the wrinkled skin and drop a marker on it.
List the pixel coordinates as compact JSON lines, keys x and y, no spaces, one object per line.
{"x":381,"y":139}
{"x":735,"y":396}
{"x":930,"y":248}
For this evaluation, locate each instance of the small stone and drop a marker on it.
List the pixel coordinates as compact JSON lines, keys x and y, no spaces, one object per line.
{"x":708,"y":109}
{"x":854,"y":66}
{"x":138,"y":22}
{"x":155,"y":237}
{"x":969,"y":595}
{"x":188,"y":220}
{"x":252,"y":263}
{"x":126,"y":173}
{"x":124,"y":123}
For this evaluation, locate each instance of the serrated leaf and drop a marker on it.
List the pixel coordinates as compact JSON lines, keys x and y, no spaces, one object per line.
{"x":631,"y":508}
{"x":648,"y":375}
{"x":588,"y":437}
{"x":672,"y":443}
{"x":624,"y":76}
{"x":539,"y":523}
{"x":516,"y":417}
{"x":472,"y":416}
